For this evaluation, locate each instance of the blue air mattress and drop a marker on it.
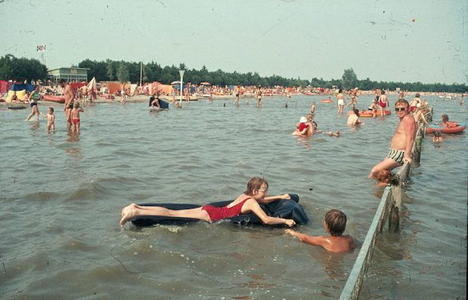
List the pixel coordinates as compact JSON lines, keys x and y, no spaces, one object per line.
{"x":162,"y":103}
{"x":288,"y":209}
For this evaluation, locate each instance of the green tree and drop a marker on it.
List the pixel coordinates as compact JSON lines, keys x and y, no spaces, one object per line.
{"x":349,"y":79}
{"x":123,"y":74}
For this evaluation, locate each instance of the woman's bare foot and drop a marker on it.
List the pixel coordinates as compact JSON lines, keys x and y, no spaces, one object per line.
{"x":127,"y":213}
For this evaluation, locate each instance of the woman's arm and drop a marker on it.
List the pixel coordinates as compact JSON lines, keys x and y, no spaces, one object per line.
{"x":269,"y":199}
{"x":252,"y":205}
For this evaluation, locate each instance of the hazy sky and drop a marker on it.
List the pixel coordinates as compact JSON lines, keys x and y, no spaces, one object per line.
{"x":301,"y":38}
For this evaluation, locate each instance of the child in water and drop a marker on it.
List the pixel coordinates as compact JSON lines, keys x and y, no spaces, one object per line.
{"x":335,"y":225}
{"x":50,"y":119}
{"x":75,"y":114}
{"x":437,"y":138}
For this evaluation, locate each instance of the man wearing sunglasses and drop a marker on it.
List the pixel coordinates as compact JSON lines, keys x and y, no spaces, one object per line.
{"x":402,"y":141}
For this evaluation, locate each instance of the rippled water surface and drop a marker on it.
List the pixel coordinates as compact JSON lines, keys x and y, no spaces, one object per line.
{"x":61,"y":198}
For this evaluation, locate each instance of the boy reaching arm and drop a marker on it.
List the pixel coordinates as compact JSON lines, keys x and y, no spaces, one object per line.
{"x":335,"y":225}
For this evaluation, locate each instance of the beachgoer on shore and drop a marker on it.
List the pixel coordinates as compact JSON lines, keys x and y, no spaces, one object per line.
{"x":335,"y":225}
{"x":246,"y":202}
{"x":402,"y":141}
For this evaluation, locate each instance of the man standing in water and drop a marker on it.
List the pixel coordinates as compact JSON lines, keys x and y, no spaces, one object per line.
{"x":402,"y":141}
{"x":68,"y":106}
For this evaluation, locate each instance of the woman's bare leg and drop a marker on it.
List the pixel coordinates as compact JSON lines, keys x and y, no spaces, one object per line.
{"x":134,"y":210}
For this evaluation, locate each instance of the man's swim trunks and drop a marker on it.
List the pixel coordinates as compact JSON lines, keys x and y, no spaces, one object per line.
{"x":340,"y":102}
{"x":218,"y":213}
{"x":396,"y":155}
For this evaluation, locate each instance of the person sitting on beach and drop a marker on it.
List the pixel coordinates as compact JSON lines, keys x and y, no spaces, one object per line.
{"x":50,"y":119}
{"x":75,"y":115}
{"x":402,"y":141}
{"x":353,"y":119}
{"x":247,"y":202}
{"x":301,"y":127}
{"x":335,"y":225}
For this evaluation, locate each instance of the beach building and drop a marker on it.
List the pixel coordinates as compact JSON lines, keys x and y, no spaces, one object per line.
{"x":69,"y":74}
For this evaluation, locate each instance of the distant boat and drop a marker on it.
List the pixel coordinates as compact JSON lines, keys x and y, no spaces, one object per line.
{"x":58,"y":99}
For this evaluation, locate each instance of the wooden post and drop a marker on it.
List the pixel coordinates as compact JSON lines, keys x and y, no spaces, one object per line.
{"x":389,"y":207}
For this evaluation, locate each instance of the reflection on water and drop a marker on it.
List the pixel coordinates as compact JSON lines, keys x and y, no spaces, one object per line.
{"x":61,"y":205}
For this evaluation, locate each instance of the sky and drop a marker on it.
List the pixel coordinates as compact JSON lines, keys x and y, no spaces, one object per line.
{"x":400,"y":40}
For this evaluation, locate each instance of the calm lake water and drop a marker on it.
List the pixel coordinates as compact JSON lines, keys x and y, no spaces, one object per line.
{"x":61,"y":198}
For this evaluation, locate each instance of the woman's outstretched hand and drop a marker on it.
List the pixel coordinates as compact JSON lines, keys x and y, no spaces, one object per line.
{"x":290,"y":222}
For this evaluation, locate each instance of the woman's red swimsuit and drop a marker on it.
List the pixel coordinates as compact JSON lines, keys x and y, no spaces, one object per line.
{"x":218,"y":213}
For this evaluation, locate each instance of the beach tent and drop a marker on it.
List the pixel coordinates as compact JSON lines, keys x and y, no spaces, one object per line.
{"x":133,"y":88}
{"x":21,"y":87}
{"x":113,"y":87}
{"x":164,"y":89}
{"x":20,"y":94}
{"x":4,"y":86}
{"x":92,"y":89}
{"x":76,"y":85}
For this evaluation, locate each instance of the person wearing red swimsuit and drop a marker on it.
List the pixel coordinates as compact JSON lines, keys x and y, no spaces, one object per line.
{"x":247,"y":202}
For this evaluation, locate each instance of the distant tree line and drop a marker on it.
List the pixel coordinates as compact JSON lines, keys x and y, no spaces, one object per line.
{"x":110,"y":70}
{"x":20,"y":69}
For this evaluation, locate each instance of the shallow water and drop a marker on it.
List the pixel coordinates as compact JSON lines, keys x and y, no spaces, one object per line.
{"x":61,"y":198}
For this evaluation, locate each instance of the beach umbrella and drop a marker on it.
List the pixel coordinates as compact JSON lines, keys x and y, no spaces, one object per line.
{"x":175,"y":82}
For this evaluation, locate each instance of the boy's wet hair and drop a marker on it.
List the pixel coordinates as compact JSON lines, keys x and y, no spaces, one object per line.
{"x":336,"y":222}
{"x":51,"y":108}
{"x":255,"y":183}
{"x":76,"y":104}
{"x":445,"y":118}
